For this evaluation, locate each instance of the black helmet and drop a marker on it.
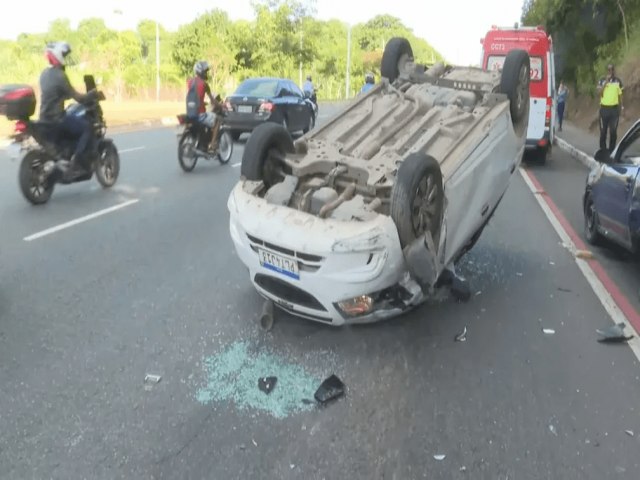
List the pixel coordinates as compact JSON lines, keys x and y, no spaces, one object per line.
{"x":201,"y":68}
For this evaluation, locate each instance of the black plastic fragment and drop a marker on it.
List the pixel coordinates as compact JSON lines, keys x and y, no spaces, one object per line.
{"x":330,"y":389}
{"x":266,"y":384}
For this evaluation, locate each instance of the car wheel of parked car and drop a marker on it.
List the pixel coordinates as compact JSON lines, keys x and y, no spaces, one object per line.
{"x":263,"y":153}
{"x":515,"y":84}
{"x":396,"y":55}
{"x":591,"y":222}
{"x":417,"y":198}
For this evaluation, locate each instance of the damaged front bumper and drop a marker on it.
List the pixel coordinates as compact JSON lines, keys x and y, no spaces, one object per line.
{"x":331,"y":271}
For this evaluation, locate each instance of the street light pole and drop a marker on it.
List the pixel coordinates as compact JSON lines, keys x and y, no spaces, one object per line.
{"x":157,"y":62}
{"x":348,"y":86}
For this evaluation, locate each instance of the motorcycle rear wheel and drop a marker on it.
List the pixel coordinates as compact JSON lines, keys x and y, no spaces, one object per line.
{"x":34,"y":184}
{"x":225,"y":147}
{"x":187,"y":157}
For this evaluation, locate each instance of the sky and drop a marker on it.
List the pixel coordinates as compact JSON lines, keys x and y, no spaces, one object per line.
{"x":453,"y":27}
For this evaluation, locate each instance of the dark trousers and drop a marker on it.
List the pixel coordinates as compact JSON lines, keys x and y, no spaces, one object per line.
{"x":560,"y":113}
{"x":78,"y":128}
{"x":609,"y":117}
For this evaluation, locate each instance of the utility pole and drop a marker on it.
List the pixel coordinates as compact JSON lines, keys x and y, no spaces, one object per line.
{"x":348,"y":86}
{"x":300,"y":60}
{"x":157,"y":62}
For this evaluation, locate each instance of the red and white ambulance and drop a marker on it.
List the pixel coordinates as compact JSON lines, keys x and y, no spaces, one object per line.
{"x":542,"y":113}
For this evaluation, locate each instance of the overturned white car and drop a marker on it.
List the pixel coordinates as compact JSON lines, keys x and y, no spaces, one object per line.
{"x":366,"y":217}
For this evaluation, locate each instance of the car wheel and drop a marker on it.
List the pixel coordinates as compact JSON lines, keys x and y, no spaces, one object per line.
{"x":591,"y":222}
{"x":417,"y":198}
{"x":263,"y":154}
{"x":515,"y":84}
{"x":397,"y":53}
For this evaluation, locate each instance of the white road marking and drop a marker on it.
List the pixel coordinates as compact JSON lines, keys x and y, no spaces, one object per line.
{"x":617,"y":316}
{"x":91,"y":216}
{"x":234,"y":165}
{"x":133,"y":149}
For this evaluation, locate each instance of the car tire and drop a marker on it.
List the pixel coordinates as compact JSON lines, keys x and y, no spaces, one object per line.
{"x":515,"y":84}
{"x":258,"y":163}
{"x":417,"y":191}
{"x":396,"y":54}
{"x":591,"y":222}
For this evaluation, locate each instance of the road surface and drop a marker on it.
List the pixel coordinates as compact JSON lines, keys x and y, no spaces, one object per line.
{"x":88,"y":308}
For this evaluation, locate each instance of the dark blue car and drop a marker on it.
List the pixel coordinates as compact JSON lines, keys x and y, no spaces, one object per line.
{"x":268,"y":99}
{"x":612,"y":196}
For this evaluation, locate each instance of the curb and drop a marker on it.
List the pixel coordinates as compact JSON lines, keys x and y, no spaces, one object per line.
{"x":587,"y":160}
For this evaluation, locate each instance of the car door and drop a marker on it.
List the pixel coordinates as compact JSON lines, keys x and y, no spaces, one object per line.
{"x":302,"y":112}
{"x":284,"y":100}
{"x":614,"y":190}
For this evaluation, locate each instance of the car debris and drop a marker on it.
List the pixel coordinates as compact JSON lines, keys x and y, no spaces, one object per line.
{"x":267,"y":384}
{"x":358,"y":220}
{"x":150,"y":380}
{"x":585,"y":254}
{"x":267,"y":316}
{"x":629,"y":432}
{"x":440,"y":457}
{"x":462,"y":336}
{"x":330,"y":389}
{"x":548,"y":331}
{"x":613,"y":334}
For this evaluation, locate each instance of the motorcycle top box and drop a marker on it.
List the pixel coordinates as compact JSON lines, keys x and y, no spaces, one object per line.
{"x":17,"y":101}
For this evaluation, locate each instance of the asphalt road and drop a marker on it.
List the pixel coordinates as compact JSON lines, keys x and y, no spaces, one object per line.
{"x":155,"y":288}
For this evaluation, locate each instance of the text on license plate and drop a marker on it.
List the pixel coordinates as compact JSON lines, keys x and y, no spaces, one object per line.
{"x":284,"y":265}
{"x":245,"y":108}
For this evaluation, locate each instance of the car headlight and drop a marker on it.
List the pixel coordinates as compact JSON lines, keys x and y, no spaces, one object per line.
{"x":366,"y":242}
{"x":356,"y":306}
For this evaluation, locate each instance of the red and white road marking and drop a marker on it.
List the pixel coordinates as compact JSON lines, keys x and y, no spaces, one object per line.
{"x":614,"y":301}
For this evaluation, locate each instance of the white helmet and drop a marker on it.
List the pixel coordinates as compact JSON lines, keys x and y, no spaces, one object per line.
{"x":201,"y":68}
{"x":57,"y":52}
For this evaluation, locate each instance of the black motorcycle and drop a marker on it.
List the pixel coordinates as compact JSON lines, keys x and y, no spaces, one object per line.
{"x":47,"y":150}
{"x":195,"y":140}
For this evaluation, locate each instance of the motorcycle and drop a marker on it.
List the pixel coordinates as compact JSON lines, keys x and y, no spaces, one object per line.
{"x":311,"y":97}
{"x":195,"y":138}
{"x":46,"y":151}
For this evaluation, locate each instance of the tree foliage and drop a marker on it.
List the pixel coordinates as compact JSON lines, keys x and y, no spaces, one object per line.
{"x":283,"y":39}
{"x":587,"y":34}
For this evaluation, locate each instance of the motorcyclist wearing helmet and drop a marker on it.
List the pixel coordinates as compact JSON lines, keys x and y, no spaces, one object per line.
{"x":309,"y":90}
{"x":55,"y":89}
{"x":369,"y":82}
{"x":199,"y":86}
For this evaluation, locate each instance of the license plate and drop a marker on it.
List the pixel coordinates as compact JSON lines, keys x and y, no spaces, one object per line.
{"x":245,"y":108}
{"x":14,"y":150}
{"x":284,"y":265}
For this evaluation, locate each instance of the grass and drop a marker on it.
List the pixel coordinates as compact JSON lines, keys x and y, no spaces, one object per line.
{"x":120,"y":113}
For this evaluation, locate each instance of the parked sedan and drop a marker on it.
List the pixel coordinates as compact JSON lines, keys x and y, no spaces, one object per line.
{"x":612,"y":195}
{"x":267,"y":99}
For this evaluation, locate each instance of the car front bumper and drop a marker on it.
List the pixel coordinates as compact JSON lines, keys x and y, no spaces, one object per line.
{"x":348,"y":272}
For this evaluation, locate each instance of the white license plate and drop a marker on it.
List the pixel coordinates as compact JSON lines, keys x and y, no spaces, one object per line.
{"x":14,"y":150}
{"x":278,"y":263}
{"x":245,"y":108}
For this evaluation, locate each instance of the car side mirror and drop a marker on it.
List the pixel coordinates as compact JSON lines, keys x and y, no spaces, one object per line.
{"x":602,"y":156}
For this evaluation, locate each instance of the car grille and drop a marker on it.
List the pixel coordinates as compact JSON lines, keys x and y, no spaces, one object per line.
{"x":306,"y":262}
{"x":288,"y":292}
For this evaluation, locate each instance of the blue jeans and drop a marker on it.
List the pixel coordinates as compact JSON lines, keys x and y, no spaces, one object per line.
{"x":77,"y":128}
{"x":560,"y":113}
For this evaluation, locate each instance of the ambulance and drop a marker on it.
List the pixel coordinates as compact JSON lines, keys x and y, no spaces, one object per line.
{"x":542,"y":112}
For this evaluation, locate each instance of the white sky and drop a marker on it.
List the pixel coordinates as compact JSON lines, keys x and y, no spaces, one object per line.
{"x":453,"y":27}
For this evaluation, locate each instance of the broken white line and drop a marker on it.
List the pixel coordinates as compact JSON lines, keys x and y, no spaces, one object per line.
{"x":133,"y":149}
{"x":71,"y":223}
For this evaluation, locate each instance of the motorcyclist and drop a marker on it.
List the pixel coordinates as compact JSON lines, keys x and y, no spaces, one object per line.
{"x":197,"y":87}
{"x":309,"y":90}
{"x":369,"y":82}
{"x":55,"y":89}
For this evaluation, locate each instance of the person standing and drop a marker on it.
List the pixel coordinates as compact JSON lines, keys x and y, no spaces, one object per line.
{"x":563,"y":91}
{"x":610,"y":90}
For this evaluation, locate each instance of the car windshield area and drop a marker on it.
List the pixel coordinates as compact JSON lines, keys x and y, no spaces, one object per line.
{"x":630,"y":153}
{"x":258,"y":88}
